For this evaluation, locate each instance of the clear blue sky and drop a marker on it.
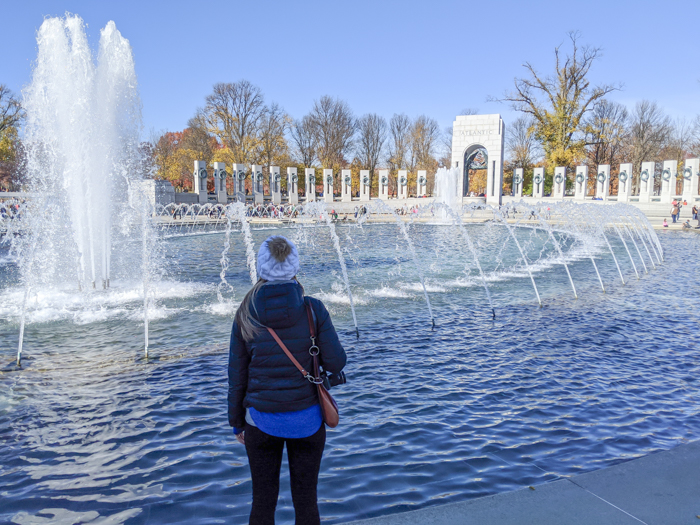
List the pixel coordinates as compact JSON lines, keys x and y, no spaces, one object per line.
{"x":433,"y":57}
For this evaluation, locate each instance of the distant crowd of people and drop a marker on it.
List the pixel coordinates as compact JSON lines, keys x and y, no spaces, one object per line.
{"x":676,"y":207}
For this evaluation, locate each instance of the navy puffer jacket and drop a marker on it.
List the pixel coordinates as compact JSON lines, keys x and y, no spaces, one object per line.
{"x":260,"y":375}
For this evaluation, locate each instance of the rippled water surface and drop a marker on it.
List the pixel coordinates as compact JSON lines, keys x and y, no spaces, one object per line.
{"x":91,"y":431}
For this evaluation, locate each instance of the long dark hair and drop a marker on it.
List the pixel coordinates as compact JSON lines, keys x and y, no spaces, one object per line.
{"x":247,"y":316}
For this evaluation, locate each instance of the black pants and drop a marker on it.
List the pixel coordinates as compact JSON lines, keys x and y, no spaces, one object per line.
{"x":265,"y":459}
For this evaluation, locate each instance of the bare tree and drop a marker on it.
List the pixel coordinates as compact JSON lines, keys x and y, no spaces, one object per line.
{"x":521,"y":144}
{"x":567,"y":96}
{"x":272,"y":143}
{"x":399,"y":151}
{"x":234,"y":112}
{"x":334,"y":129}
{"x":469,"y":111}
{"x":304,"y":140}
{"x":372,"y":136}
{"x":606,"y":133}
{"x":445,"y":145}
{"x":425,"y":135}
{"x":649,"y":132}
{"x":679,"y":146}
{"x":197,"y":138}
{"x":399,"y":141}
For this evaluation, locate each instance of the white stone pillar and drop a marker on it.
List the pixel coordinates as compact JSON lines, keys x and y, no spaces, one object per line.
{"x":258,"y":181}
{"x":581,"y":184}
{"x":200,"y":180}
{"x":421,"y":183}
{"x":220,"y":182}
{"x":691,"y":171}
{"x":384,"y":184}
{"x":293,"y":185}
{"x":310,"y":176}
{"x":275,"y":185}
{"x":624,"y":182}
{"x":494,"y":181}
{"x":403,"y":184}
{"x":668,"y":181}
{"x":559,"y":183}
{"x":364,"y":185}
{"x":518,"y":178}
{"x":346,"y":185}
{"x":239,"y":181}
{"x":538,"y":183}
{"x":328,"y":185}
{"x":602,"y":186}
{"x":646,"y":181}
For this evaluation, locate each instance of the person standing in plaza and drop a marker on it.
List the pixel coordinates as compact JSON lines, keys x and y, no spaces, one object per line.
{"x":674,"y":212}
{"x":270,"y":403}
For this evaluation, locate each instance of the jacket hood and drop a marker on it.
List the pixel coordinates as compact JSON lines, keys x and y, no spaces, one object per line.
{"x":279,"y":304}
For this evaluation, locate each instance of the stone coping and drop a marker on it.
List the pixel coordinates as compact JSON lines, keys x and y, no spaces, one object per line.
{"x":659,"y":489}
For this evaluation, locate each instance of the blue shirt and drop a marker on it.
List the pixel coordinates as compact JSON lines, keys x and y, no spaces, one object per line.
{"x":294,"y":425}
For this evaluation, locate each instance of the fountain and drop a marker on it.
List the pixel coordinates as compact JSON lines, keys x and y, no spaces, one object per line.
{"x":82,"y":140}
{"x":474,"y":404}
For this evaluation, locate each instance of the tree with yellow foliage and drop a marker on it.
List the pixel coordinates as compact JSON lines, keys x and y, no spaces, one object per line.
{"x":558,"y":103}
{"x":11,"y":114}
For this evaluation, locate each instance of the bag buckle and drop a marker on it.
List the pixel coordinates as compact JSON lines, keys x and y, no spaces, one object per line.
{"x":313,"y":380}
{"x":314,"y":347}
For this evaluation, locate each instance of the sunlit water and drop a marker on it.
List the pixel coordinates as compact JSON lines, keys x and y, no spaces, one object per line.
{"x":476,"y":406}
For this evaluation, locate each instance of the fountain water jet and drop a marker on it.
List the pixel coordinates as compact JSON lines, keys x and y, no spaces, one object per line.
{"x":465,"y":235}
{"x":82,"y":143}
{"x":404,"y":231}
{"x":522,"y":254}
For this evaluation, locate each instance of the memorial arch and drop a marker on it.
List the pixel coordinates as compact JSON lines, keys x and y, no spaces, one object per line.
{"x":477,"y":144}
{"x":475,"y":170}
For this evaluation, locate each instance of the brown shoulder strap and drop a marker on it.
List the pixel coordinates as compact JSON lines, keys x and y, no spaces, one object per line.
{"x":310,"y":315}
{"x":289,"y":354}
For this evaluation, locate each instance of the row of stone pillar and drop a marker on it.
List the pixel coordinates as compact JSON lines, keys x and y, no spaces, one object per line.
{"x":669,"y":175}
{"x":274,"y":180}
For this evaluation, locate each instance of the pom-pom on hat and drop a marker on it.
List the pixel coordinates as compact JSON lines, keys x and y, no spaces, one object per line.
{"x":278,"y":259}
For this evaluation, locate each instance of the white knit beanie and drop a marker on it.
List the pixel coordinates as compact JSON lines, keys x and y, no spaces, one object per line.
{"x":278,"y":259}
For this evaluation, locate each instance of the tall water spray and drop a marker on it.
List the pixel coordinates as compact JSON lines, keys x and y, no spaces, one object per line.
{"x":446,"y":180}
{"x":83,"y":162}
{"x":82,"y":136}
